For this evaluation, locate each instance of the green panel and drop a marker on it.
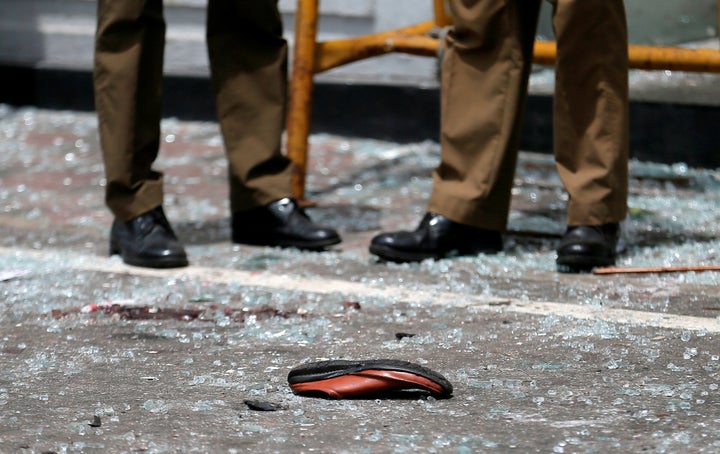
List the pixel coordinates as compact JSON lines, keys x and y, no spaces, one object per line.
{"x":660,"y":22}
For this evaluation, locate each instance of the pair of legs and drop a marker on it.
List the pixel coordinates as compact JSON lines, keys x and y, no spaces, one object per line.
{"x":485,"y":74}
{"x":248,"y":62}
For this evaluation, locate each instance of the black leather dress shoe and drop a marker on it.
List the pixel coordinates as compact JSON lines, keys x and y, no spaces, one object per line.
{"x":584,"y":247}
{"x":148,"y":241}
{"x":281,"y":223}
{"x":436,"y":237}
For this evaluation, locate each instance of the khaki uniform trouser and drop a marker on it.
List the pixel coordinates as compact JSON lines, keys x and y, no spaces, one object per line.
{"x":248,"y":63}
{"x":484,"y":87}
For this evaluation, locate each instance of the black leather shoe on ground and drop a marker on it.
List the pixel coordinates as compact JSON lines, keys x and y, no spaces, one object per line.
{"x":147,"y":241}
{"x":583,"y":248}
{"x":281,"y":223}
{"x":436,"y":237}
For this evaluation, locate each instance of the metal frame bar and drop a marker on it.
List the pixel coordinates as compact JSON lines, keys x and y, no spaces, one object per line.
{"x":312,"y":57}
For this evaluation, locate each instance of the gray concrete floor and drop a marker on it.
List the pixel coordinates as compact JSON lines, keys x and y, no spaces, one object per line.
{"x":97,"y":356}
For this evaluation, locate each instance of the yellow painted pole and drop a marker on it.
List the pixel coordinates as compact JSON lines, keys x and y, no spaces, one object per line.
{"x":650,"y":57}
{"x":301,"y":92}
{"x":442,"y":18}
{"x":413,"y":39}
{"x":340,"y":52}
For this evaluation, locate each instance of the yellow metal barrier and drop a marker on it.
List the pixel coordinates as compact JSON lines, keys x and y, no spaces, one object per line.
{"x":312,"y":57}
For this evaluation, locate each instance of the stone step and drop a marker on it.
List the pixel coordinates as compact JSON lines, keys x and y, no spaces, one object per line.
{"x":59,"y":34}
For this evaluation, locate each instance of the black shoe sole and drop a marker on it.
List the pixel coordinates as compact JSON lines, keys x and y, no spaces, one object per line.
{"x":161,"y":263}
{"x":399,"y":256}
{"x":317,"y":245}
{"x":581,"y":264}
{"x":393,"y":255}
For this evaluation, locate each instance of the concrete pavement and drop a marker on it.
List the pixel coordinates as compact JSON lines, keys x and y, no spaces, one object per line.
{"x":97,"y":356}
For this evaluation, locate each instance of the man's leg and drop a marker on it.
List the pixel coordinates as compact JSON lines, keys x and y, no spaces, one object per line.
{"x":128,"y":84}
{"x":591,"y":126}
{"x":485,"y":71}
{"x":248,"y":59}
{"x":129,"y":50}
{"x":591,"y":109}
{"x":484,"y":87}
